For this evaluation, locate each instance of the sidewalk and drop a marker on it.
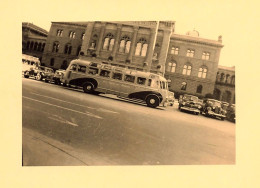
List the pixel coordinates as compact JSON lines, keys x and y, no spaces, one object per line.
{"x":40,"y":150}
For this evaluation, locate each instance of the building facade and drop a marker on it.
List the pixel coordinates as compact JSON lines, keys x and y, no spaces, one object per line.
{"x":33,"y":39}
{"x":189,"y":61}
{"x":225,"y":84}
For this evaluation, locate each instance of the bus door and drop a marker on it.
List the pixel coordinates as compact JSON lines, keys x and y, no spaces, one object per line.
{"x":128,"y":85}
{"x":71,"y":73}
{"x":116,"y":82}
{"x":104,"y":79}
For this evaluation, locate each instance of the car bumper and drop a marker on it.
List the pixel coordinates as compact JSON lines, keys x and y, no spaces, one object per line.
{"x":213,"y":114}
{"x":190,"y":109}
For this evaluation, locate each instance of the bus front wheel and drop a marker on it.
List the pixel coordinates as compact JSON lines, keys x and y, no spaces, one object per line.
{"x":88,"y":87}
{"x":152,"y":101}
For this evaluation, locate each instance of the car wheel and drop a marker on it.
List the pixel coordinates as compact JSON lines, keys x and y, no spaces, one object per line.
{"x":39,"y":77}
{"x":152,"y":101}
{"x":88,"y":87}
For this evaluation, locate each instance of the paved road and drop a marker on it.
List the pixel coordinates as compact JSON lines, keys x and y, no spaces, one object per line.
{"x":64,"y":126}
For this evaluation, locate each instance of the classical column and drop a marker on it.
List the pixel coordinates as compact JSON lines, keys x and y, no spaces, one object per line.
{"x":86,"y":40}
{"x":164,"y":50}
{"x":150,"y":49}
{"x":133,"y":43}
{"x":103,"y":25}
{"x":118,"y":32}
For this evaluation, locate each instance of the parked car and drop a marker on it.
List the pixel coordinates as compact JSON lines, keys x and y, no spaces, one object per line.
{"x":213,"y":108}
{"x":55,"y":77}
{"x":171,"y":98}
{"x":231,"y":113}
{"x":189,"y":103}
{"x":38,"y":73}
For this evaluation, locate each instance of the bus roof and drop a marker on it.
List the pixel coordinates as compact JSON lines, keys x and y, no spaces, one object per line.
{"x":119,"y":69}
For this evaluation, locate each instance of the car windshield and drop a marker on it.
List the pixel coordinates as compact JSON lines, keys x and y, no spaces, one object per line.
{"x":216,"y":103}
{"x":190,"y":98}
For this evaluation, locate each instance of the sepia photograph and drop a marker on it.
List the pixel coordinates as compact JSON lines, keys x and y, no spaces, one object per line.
{"x":125,"y":93}
{"x":129,"y":94}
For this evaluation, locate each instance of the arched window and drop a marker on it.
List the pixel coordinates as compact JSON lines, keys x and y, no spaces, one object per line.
{"x":183,"y":86}
{"x":55,"y":47}
{"x":28,"y":45}
{"x":222,"y":77}
{"x":202,"y":72}
{"x":78,"y":50}
{"x":227,"y":79}
{"x":72,"y":34}
{"x":43,"y":45}
{"x":199,"y":89}
{"x":232,"y":80}
{"x":52,"y":62}
{"x":217,"y":94}
{"x":141,"y":47}
{"x":35,"y":46}
{"x":109,"y":42}
{"x":171,"y":67}
{"x":67,"y":49}
{"x":39,"y":47}
{"x":186,"y":70}
{"x":125,"y":44}
{"x":31,"y":45}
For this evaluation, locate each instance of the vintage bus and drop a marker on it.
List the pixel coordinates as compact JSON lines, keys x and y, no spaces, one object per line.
{"x":29,"y":62}
{"x":96,"y":77}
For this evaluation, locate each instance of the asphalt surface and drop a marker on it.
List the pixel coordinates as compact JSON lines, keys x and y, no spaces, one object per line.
{"x":64,"y":126}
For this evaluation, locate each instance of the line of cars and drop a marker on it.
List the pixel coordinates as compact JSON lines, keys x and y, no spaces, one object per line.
{"x":207,"y":107}
{"x":44,"y":73}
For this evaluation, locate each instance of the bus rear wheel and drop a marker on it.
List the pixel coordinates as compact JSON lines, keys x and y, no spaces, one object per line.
{"x":152,"y":101}
{"x":88,"y":87}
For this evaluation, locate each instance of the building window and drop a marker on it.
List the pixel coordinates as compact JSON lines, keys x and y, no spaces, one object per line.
{"x":109,"y":42}
{"x":39,"y":47}
{"x":171,"y":67}
{"x":125,"y":44}
{"x":52,"y":62}
{"x":68,"y":49}
{"x":59,"y":32}
{"x":199,"y":89}
{"x":186,"y":70}
{"x":78,"y":50}
{"x":141,"y":47}
{"x":83,"y":36}
{"x":64,"y":65}
{"x":183,"y":86}
{"x":190,"y":53}
{"x":232,"y":80}
{"x":35,"y":46}
{"x":31,"y":45}
{"x":55,"y":47}
{"x":43,"y":45}
{"x":205,"y":55}
{"x":72,"y":34}
{"x":202,"y":72}
{"x":175,"y":50}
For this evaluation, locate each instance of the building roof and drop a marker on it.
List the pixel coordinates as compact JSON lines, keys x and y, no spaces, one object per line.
{"x":34,"y":27}
{"x":196,"y":39}
{"x":73,"y":23}
{"x":226,"y":68}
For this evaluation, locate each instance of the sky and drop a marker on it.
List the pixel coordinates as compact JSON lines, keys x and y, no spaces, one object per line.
{"x":230,"y":19}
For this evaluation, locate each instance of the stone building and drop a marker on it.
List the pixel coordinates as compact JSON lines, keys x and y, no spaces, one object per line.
{"x":225,"y":84}
{"x":189,"y":61}
{"x":192,"y":63}
{"x":33,"y":39}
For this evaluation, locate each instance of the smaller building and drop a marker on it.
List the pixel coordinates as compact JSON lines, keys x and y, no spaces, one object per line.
{"x":33,"y":39}
{"x":225,"y":84}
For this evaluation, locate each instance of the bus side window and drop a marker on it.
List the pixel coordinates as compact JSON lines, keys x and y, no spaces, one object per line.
{"x":92,"y":71}
{"x":129,"y":78}
{"x":149,"y":82}
{"x":141,"y":80}
{"x":104,"y":73}
{"x":73,"y":67}
{"x":82,"y":69}
{"x":117,"y":76}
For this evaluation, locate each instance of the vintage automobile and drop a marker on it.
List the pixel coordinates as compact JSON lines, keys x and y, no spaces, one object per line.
{"x":38,"y":73}
{"x":231,"y":113}
{"x":55,"y":77}
{"x":171,"y":98}
{"x":189,"y":103}
{"x":213,"y":108}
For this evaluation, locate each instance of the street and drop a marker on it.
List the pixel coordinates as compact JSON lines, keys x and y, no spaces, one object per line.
{"x":64,"y":126}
